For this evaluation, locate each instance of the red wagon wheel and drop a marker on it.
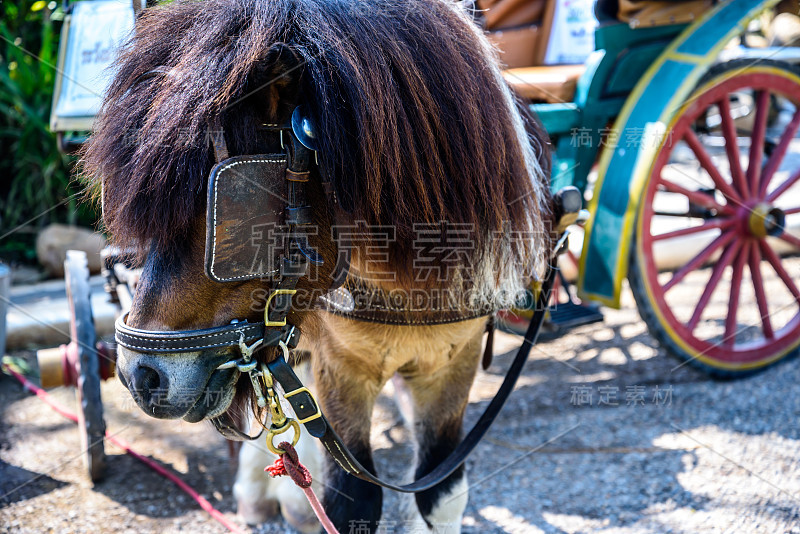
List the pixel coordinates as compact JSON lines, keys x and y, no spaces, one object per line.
{"x":713,"y":271}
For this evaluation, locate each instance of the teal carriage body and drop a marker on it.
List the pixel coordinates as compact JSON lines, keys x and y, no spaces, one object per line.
{"x":648,"y":97}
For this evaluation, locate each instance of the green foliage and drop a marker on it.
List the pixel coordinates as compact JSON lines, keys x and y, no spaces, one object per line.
{"x":36,"y":187}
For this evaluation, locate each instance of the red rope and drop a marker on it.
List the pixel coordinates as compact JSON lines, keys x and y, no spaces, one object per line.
{"x":204,"y":504}
{"x":289,"y":464}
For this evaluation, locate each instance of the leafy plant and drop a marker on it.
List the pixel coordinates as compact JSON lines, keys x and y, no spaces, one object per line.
{"x":35,"y":177}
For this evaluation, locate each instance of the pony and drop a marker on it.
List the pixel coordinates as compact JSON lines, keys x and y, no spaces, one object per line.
{"x":439,"y":177}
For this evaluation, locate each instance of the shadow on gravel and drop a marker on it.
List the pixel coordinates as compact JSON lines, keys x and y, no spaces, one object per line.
{"x":18,"y":484}
{"x":143,"y":491}
{"x":554,"y":486}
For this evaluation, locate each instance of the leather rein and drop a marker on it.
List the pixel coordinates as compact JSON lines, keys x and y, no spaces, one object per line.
{"x":274,"y":331}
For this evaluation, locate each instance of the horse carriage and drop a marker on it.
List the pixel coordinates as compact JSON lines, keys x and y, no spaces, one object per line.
{"x":694,"y":174}
{"x":692,"y":139}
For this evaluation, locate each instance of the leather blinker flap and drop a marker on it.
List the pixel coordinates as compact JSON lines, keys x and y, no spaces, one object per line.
{"x":245,"y":219}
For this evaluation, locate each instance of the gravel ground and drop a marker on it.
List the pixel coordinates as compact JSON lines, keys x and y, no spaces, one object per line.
{"x":605,"y":433}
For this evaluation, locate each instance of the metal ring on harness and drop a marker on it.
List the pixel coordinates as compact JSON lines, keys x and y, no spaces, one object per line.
{"x":290,"y":423}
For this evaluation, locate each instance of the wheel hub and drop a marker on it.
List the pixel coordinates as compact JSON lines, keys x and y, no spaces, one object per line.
{"x":766,"y":220}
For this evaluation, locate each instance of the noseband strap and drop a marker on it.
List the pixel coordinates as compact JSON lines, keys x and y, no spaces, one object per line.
{"x":162,"y":342}
{"x":207,"y":339}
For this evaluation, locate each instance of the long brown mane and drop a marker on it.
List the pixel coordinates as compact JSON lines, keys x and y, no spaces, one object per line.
{"x":415,"y":123}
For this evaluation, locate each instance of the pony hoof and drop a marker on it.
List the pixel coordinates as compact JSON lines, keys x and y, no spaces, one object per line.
{"x":255,"y":513}
{"x":302,"y":519}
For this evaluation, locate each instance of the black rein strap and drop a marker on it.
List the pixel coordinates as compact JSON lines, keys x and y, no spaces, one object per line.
{"x":319,"y":427}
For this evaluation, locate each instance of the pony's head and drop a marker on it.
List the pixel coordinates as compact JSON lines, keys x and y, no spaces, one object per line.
{"x":414,"y":125}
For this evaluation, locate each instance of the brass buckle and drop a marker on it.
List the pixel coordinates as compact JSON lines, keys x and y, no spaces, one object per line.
{"x":314,"y":400}
{"x":272,"y":295}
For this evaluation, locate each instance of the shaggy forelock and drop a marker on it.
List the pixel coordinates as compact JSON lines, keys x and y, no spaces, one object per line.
{"x":149,"y":148}
{"x":415,"y":124}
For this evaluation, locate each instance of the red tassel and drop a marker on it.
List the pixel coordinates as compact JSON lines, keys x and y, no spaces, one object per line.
{"x":277,"y":469}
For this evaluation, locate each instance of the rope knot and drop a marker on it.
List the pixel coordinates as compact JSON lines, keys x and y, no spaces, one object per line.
{"x":289,"y":464}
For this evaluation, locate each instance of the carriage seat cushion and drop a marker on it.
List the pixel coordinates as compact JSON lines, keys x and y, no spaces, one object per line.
{"x":517,"y":28}
{"x":517,"y":47}
{"x":657,"y":13}
{"x":553,"y":84}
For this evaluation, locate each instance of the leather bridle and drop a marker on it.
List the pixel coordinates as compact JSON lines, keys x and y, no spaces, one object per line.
{"x":275,"y":332}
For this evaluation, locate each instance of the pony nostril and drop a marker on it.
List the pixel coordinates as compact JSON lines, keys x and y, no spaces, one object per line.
{"x":147,"y":386}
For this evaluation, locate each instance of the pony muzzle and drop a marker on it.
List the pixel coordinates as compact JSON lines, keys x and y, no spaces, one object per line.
{"x":182,"y":373}
{"x":185,"y":385}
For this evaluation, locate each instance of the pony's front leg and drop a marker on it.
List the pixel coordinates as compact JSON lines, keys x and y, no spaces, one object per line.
{"x":439,"y":402}
{"x":347,"y":397}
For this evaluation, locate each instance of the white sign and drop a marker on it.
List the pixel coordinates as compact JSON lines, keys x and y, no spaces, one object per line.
{"x":96,"y":30}
{"x":572,"y":35}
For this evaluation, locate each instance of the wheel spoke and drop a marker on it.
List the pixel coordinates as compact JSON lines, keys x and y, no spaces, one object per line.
{"x":761,"y":296}
{"x":709,"y":225}
{"x":779,"y":153}
{"x":733,"y":301}
{"x":757,"y":141}
{"x":706,"y":162}
{"x":775,"y":261}
{"x":695,"y":196}
{"x":716,"y":274}
{"x":789,"y":238}
{"x":732,"y":146}
{"x":781,"y":189}
{"x":721,"y":240}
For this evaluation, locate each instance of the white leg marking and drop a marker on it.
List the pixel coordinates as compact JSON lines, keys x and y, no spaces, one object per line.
{"x":404,"y":401}
{"x":251,"y":487}
{"x":445,"y":517}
